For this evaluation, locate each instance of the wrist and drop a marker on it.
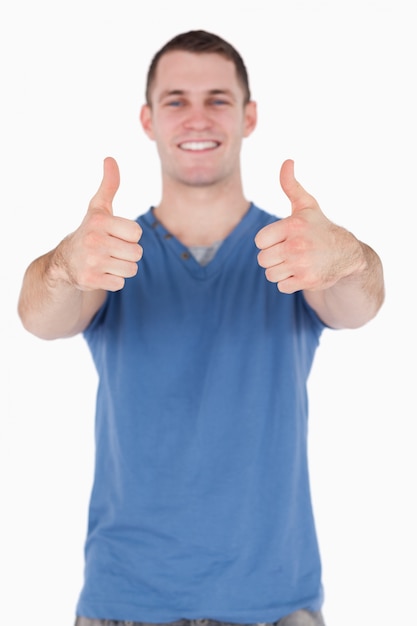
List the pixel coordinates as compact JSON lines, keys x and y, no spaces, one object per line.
{"x":57,"y":270}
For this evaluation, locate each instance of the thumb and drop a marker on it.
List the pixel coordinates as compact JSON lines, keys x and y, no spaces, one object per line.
{"x":298,"y":196}
{"x":109,"y":185}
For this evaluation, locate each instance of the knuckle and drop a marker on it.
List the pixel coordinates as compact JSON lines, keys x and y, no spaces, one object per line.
{"x":96,"y":219}
{"x":139,"y":253}
{"x":270,"y":275}
{"x":93,"y":239}
{"x":261,"y":259}
{"x":138,"y":231}
{"x":132,"y":270}
{"x":116,"y":283}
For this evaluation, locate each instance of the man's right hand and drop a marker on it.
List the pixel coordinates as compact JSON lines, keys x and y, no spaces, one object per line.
{"x":104,"y":250}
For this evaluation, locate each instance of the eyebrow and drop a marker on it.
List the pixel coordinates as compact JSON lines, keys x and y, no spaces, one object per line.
{"x":182,"y":92}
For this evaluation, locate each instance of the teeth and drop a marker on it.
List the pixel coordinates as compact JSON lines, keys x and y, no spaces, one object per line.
{"x":198,"y":145}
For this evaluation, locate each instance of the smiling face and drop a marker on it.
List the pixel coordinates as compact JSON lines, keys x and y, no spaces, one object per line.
{"x":198,"y":118}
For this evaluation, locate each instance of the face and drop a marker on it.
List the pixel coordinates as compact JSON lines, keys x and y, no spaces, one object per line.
{"x":198,"y":118}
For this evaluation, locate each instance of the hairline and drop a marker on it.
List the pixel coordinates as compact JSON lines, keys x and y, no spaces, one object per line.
{"x":182,"y":92}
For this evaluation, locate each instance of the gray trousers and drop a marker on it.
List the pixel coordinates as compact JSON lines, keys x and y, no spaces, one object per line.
{"x":299,"y":618}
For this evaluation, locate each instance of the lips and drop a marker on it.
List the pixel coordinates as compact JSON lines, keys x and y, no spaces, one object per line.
{"x":198,"y":146}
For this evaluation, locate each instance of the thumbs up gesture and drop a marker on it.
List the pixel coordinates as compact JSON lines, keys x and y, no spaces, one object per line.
{"x":305,"y":251}
{"x":104,"y":250}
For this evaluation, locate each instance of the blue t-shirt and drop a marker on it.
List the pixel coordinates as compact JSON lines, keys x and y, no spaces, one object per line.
{"x":201,"y":503}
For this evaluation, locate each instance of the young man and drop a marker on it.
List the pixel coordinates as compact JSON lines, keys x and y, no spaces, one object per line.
{"x":200,"y":508}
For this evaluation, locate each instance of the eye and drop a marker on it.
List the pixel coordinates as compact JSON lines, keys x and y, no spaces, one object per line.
{"x":174,"y":103}
{"x":219,"y":102}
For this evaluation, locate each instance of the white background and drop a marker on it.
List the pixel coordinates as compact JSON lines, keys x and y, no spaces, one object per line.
{"x":335,"y":83}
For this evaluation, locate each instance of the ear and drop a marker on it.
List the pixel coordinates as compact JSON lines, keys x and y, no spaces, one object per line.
{"x":146,"y":120}
{"x":251,"y":118}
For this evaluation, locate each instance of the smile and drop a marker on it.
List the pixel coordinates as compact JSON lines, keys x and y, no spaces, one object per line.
{"x":197,"y":146}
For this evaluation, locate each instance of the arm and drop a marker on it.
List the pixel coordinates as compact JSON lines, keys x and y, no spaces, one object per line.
{"x":50,"y":306}
{"x":63,"y":289}
{"x":342,"y":278}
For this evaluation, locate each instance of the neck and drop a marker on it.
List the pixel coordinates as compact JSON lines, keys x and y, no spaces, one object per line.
{"x":201,"y":216}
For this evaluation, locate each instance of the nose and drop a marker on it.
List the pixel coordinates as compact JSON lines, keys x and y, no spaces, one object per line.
{"x":197,"y":118}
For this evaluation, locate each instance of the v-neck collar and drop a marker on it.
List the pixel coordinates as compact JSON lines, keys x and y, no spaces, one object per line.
{"x":183,"y":254}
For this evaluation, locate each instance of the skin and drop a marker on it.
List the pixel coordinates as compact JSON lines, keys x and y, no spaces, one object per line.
{"x":341,"y":277}
{"x":197,"y":102}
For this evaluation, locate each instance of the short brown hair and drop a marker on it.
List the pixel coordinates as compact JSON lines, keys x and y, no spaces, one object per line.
{"x":201,"y":41}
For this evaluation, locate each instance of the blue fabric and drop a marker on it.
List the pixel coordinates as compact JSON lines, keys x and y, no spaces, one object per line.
{"x":201,"y":504}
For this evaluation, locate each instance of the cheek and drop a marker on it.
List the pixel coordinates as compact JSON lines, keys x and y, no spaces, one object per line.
{"x":237,"y":128}
{"x":163,"y":137}
{"x":166,"y":131}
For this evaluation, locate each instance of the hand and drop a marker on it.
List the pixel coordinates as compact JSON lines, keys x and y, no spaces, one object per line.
{"x":104,"y":250}
{"x":305,"y":251}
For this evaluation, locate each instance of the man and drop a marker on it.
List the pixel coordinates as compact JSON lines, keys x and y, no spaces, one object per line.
{"x":201,"y":508}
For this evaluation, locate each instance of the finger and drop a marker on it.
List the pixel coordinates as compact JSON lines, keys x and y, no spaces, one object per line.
{"x":109,"y":185}
{"x":269,"y":257}
{"x":121,"y":268}
{"x":284,"y":278}
{"x":125,"y":229}
{"x":271,"y":234}
{"x":278,"y":274}
{"x":298,"y":196}
{"x":124,"y":251}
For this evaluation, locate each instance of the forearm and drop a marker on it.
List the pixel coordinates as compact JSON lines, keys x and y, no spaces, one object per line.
{"x":354,"y":299}
{"x":51,"y":307}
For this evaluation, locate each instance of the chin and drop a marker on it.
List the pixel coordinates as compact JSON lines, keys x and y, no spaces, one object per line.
{"x":200,"y":179}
